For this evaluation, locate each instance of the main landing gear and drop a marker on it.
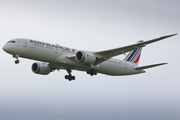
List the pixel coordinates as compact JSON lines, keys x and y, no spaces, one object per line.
{"x":69,"y":77}
{"x":91,"y":72}
{"x":16,"y":61}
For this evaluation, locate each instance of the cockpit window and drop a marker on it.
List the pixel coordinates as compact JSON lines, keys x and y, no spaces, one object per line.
{"x":11,"y":41}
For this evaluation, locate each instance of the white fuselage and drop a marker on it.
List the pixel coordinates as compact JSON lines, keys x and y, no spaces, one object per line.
{"x":59,"y":56}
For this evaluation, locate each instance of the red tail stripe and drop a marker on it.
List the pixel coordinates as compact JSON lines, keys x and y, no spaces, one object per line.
{"x":137,"y":58}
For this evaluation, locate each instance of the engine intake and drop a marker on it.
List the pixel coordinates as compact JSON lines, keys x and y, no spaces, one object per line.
{"x":41,"y":68}
{"x":85,"y":56}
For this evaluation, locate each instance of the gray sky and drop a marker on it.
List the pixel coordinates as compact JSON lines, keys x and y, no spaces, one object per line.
{"x":91,"y":25}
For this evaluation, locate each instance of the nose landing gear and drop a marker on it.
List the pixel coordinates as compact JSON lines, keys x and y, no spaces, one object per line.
{"x":16,"y":61}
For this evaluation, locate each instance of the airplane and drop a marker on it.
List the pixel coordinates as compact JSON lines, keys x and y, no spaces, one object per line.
{"x":55,"y":57}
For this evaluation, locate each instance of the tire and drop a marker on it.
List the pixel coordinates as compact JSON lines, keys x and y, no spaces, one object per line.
{"x":88,"y":71}
{"x":17,"y":61}
{"x":95,"y":73}
{"x":66,"y":76}
{"x":73,"y":78}
{"x":70,"y":78}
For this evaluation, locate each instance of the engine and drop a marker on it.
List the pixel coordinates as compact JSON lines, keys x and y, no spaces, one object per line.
{"x":41,"y":68}
{"x":85,"y":56}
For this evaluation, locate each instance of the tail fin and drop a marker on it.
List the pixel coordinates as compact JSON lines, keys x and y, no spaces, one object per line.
{"x":134,"y":55}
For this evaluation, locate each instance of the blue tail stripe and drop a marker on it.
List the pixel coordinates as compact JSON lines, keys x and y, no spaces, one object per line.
{"x":131,"y":55}
{"x":136,"y":55}
{"x":128,"y":55}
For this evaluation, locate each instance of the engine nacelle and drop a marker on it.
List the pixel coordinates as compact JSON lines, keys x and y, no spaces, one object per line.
{"x":41,"y":68}
{"x":85,"y":56}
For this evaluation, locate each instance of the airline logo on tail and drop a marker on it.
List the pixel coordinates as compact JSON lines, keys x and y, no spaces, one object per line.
{"x":134,"y":55}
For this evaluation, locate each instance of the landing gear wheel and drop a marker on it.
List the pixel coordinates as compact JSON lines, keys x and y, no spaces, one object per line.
{"x":66,"y":76}
{"x":95,"y":73}
{"x":88,"y":71}
{"x":91,"y":72}
{"x":17,"y":62}
{"x":73,"y":77}
{"x":69,"y":77}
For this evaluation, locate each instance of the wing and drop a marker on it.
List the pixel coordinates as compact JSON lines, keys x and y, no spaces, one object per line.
{"x":107,"y":54}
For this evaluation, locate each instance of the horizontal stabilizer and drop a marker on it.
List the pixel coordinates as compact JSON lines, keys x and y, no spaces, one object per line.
{"x":149,"y":66}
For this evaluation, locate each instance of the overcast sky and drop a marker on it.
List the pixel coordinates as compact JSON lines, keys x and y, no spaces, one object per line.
{"x":92,"y":25}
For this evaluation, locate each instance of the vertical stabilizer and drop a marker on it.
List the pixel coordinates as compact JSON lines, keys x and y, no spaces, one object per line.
{"x":134,"y":56}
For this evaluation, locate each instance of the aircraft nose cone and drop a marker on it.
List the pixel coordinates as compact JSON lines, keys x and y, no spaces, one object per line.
{"x":5,"y":47}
